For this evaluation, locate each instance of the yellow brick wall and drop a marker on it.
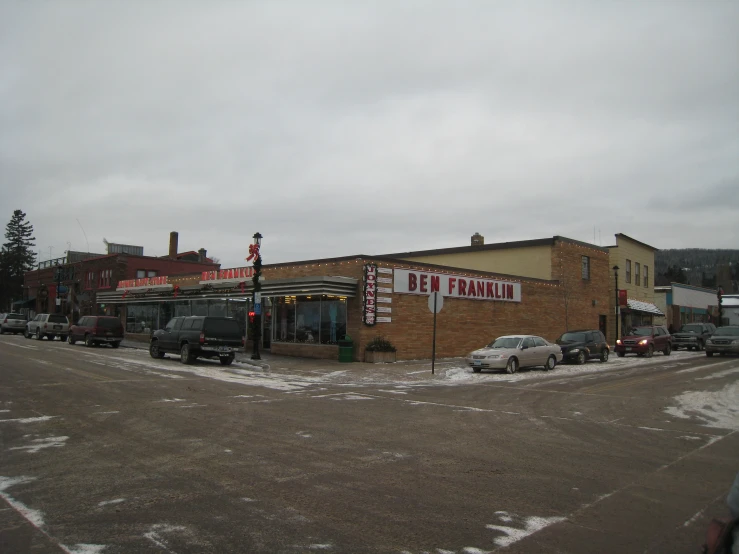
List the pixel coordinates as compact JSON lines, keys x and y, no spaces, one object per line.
{"x":531,"y":261}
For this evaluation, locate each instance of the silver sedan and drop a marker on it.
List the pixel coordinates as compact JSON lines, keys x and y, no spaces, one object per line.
{"x":515,"y":351}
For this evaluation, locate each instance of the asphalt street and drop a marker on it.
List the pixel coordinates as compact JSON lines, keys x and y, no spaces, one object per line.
{"x":105,"y":450}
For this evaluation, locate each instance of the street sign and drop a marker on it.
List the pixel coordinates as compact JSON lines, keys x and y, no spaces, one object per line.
{"x":436,"y":302}
{"x":258,"y":308}
{"x":58,"y":301}
{"x":62,"y":289}
{"x":257,"y":297}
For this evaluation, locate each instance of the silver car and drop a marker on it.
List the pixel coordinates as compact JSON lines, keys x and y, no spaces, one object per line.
{"x":514,"y":351}
{"x":725,"y":340}
{"x":13,"y":323}
{"x":49,"y":326}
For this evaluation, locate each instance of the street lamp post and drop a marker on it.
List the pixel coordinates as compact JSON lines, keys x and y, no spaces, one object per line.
{"x":58,"y":299}
{"x":256,"y":297}
{"x":615,"y":273}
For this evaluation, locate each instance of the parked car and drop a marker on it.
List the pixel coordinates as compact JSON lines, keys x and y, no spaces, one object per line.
{"x":515,"y":351}
{"x":645,"y":340}
{"x":725,"y":340}
{"x":580,"y":346}
{"x":692,"y":336}
{"x":13,"y":323}
{"x":195,"y":337}
{"x":49,"y":326}
{"x":94,"y":330}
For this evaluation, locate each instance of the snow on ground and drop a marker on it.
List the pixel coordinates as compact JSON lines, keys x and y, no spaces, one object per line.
{"x":713,"y":408}
{"x":39,"y":444}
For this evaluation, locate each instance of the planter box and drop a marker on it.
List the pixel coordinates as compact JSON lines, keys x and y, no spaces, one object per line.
{"x":379,"y":357}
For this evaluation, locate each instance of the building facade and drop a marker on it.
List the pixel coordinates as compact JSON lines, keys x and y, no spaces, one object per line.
{"x":309,"y":306}
{"x":77,"y":279}
{"x":683,"y":304}
{"x":631,"y":298}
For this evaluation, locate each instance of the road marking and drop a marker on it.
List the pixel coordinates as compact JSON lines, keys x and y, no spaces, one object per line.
{"x":627,"y":382}
{"x":21,"y":346}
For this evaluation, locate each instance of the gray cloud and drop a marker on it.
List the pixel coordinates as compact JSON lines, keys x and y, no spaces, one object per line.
{"x":336,"y":128}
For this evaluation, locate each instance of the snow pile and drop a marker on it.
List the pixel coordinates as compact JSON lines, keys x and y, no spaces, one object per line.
{"x":40,"y":444}
{"x":714,"y":408}
{"x":524,"y":526}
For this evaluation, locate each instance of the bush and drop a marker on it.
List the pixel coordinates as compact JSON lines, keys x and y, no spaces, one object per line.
{"x":380,"y":344}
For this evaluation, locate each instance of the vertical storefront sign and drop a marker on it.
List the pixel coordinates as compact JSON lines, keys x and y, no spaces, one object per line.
{"x":369,"y":300}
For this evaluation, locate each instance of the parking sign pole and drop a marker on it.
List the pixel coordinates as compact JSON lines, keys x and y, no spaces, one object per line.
{"x":433,"y":353}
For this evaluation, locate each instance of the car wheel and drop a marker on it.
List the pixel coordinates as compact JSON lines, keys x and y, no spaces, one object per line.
{"x":604,"y":355}
{"x":700,"y":346}
{"x":709,"y":354}
{"x":551,"y":362}
{"x":27,"y":334}
{"x":620,"y":354}
{"x":63,"y":338}
{"x":154,"y":351}
{"x":477,"y":369}
{"x":668,"y":349}
{"x":186,"y":356}
{"x":37,"y":336}
{"x":115,"y":344}
{"x":226,"y":360}
{"x":70,"y":339}
{"x":512,"y":365}
{"x":581,"y":358}
{"x":650,"y":351}
{"x":88,"y":341}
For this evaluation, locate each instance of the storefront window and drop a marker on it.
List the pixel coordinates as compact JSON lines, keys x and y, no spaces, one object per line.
{"x":181,"y":308}
{"x":142,"y":318}
{"x":284,"y":319}
{"x":308,"y":324}
{"x":166,"y":312}
{"x":333,"y":319}
{"x":199,"y":307}
{"x":217,"y":308}
{"x":237,"y":310}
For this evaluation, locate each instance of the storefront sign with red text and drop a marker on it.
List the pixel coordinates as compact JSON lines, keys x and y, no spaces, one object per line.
{"x":143,"y":282}
{"x":234,"y":274}
{"x":455,"y":286}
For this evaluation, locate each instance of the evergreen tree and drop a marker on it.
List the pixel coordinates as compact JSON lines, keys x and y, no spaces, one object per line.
{"x":676,"y":274}
{"x":16,"y":258}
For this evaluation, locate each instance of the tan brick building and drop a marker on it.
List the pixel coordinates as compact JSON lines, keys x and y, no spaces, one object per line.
{"x":635,"y":275}
{"x":541,"y":287}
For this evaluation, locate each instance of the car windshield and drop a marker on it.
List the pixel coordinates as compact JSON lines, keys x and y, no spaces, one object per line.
{"x":53,"y":318}
{"x":691,"y":329}
{"x":572,"y":337}
{"x":641,"y":331}
{"x":727,"y":331}
{"x":505,"y":342}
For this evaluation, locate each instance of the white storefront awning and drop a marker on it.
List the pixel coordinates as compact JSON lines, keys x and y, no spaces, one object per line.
{"x":645,"y":307}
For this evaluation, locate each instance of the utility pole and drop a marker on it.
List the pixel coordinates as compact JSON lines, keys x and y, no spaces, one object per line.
{"x":257,"y":295}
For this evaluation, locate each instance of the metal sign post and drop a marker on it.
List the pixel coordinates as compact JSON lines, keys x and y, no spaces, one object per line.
{"x":436,"y":302}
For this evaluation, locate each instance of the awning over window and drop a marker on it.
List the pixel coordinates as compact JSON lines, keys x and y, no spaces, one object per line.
{"x":646,"y":307}
{"x":25,"y":303}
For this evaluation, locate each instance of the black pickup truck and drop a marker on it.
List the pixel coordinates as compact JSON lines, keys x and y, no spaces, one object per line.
{"x":198,"y":337}
{"x":693,"y":336}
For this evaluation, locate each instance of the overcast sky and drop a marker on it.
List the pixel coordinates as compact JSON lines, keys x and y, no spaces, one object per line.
{"x":338,"y":127}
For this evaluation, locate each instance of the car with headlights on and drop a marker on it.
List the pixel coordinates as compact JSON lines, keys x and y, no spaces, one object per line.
{"x":645,"y":340}
{"x":580,"y":346}
{"x":725,"y":340}
{"x":512,"y":352}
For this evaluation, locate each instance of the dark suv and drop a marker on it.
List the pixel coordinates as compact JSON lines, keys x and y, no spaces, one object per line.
{"x":198,"y":337}
{"x":580,"y":346}
{"x":97,"y":329}
{"x":644,"y":341}
{"x":693,"y":336}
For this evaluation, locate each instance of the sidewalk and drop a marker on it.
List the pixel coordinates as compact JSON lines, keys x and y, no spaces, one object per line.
{"x":290,"y":364}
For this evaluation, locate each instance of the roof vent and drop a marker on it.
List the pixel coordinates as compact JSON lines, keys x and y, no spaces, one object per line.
{"x":477,"y":239}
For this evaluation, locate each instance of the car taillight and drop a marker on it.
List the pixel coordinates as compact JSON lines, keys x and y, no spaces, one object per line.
{"x":202,"y":338}
{"x":46,"y":325}
{"x":243,"y":341}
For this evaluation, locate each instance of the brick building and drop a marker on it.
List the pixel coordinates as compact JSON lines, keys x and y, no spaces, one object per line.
{"x":80,"y":277}
{"x":542,"y":287}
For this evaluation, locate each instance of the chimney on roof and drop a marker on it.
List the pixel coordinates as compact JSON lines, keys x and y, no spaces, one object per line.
{"x":202,"y":254}
{"x":477,"y":239}
{"x":173,"y":239}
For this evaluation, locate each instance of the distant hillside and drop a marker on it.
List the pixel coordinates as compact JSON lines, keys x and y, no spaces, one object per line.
{"x":699,"y":265}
